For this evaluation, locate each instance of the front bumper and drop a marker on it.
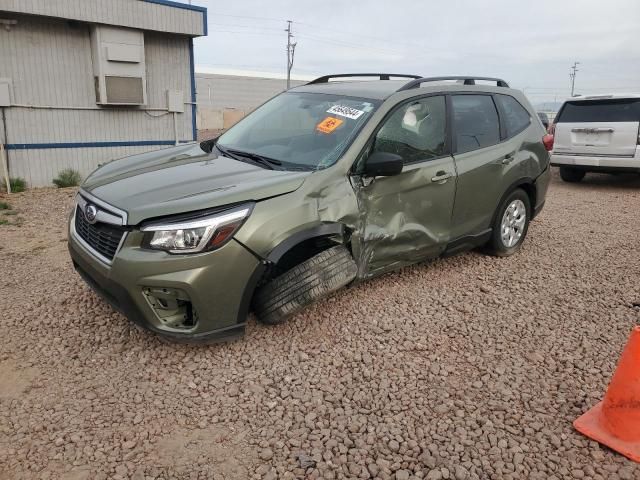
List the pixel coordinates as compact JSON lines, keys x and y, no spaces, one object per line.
{"x":218,"y":284}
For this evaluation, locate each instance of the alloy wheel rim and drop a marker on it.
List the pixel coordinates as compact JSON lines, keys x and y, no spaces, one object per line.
{"x":513,"y":223}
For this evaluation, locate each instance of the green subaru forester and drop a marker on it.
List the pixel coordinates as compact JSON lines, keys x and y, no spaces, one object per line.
{"x":326,"y":184}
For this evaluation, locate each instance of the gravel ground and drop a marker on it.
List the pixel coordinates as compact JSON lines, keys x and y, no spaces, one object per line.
{"x":470,"y":367}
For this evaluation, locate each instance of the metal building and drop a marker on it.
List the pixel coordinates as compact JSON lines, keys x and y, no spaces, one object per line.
{"x":224,"y":98}
{"x":86,"y":81}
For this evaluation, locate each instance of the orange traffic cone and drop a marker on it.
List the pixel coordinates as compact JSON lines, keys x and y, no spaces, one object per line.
{"x":615,"y":421}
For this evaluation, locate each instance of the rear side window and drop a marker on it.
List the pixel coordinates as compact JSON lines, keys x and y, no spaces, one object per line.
{"x":625,"y":110}
{"x":475,"y":121}
{"x":515,"y":116}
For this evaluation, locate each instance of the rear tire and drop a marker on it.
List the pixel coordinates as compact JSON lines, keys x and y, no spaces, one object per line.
{"x":510,"y":225}
{"x":311,"y":280}
{"x":571,"y":175}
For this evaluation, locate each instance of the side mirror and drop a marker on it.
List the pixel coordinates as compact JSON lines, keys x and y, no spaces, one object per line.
{"x":383,"y":164}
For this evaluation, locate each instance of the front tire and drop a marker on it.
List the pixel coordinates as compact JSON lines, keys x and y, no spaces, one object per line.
{"x":311,"y":280}
{"x":571,"y":175}
{"x":510,"y":225}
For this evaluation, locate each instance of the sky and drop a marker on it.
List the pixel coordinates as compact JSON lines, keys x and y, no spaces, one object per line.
{"x":531,"y":44}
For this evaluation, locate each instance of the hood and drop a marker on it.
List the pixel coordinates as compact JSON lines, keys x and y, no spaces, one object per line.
{"x":183,"y":179}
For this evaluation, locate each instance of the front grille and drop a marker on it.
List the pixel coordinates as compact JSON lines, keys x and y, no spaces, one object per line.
{"x":102,"y":237}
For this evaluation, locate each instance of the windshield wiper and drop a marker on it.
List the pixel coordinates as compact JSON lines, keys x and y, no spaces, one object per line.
{"x":225,"y":152}
{"x":261,"y":159}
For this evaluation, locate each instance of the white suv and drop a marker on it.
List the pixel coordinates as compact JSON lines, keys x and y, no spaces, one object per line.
{"x":597,"y":133}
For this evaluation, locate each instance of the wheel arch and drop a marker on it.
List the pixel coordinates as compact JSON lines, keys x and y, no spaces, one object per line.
{"x":324,"y":230}
{"x":525,"y":183}
{"x":308,"y":242}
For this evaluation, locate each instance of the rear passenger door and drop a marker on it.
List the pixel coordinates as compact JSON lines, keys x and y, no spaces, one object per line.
{"x":486,"y":158}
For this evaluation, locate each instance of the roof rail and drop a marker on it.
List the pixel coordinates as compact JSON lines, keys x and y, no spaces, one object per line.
{"x":466,"y":80}
{"x":381,"y":76}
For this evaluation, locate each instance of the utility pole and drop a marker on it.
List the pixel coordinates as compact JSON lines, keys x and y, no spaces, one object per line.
{"x":291,"y":50}
{"x":572,"y":75}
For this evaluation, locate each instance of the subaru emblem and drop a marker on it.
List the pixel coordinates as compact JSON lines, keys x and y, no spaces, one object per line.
{"x":90,"y":213}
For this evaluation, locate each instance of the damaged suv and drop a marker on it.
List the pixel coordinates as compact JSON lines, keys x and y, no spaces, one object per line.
{"x":326,"y":184}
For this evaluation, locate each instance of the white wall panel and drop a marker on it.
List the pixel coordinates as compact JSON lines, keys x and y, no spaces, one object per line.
{"x":125,"y":13}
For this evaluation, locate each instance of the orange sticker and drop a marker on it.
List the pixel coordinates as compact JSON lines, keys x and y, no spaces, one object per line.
{"x":329,"y":124}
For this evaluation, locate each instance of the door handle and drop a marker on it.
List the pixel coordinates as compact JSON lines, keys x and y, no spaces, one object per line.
{"x":441,"y":177}
{"x":508,"y":158}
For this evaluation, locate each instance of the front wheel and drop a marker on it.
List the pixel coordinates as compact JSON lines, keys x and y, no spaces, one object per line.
{"x":571,"y":175}
{"x":304,"y":284}
{"x":510,"y":225}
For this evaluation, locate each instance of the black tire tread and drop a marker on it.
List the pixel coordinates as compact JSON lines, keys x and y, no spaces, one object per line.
{"x":311,"y":280}
{"x":571,"y":175}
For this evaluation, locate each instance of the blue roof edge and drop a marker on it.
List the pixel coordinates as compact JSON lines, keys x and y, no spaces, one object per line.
{"x":185,"y":6}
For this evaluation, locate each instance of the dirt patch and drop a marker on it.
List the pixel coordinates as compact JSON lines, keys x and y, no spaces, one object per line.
{"x":215,"y":448}
{"x":15,"y":381}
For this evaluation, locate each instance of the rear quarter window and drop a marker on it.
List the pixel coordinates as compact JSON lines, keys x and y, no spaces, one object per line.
{"x":624,"y":110}
{"x":516,"y":117}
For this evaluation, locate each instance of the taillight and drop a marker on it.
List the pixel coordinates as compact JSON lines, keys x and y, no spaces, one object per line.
{"x":547,"y":140}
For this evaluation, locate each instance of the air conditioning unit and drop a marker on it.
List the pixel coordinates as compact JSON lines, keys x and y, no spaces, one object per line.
{"x":118,"y":65}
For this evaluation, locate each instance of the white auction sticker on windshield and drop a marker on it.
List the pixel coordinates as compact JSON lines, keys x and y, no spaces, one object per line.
{"x":343,"y":111}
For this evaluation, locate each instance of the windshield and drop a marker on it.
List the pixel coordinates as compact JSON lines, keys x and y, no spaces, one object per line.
{"x":300,"y":130}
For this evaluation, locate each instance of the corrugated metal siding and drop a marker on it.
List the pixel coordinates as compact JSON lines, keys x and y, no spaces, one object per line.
{"x":126,"y":13}
{"x":222,"y":97}
{"x":40,"y":167}
{"x":50,"y":64}
{"x":227,"y":91}
{"x":167,"y":58}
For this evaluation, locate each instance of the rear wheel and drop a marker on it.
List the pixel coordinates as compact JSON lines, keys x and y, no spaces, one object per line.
{"x":571,"y":175}
{"x":510,"y":225}
{"x":305,"y":283}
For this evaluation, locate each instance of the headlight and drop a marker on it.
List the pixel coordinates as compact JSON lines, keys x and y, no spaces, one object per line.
{"x":195,"y":235}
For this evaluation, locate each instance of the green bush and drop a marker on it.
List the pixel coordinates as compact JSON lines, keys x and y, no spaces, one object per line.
{"x":67,"y":178}
{"x":18,"y":184}
{"x":5,"y":206}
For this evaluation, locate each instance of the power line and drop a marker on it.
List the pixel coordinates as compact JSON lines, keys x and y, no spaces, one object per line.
{"x":244,"y":26}
{"x":244,"y":32}
{"x":270,"y":19}
{"x":331,"y":41}
{"x":385,"y":41}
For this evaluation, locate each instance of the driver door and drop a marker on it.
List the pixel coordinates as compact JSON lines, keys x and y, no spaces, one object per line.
{"x":407,"y":217}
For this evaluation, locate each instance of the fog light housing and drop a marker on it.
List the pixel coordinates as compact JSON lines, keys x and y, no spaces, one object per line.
{"x":172,"y":307}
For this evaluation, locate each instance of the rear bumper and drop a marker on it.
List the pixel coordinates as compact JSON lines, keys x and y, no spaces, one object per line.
{"x":597,"y":163}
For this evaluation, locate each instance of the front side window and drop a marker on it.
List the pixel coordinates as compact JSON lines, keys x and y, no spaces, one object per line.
{"x":516,"y":118}
{"x":475,"y":121}
{"x":416,"y":131}
{"x":300,"y":130}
